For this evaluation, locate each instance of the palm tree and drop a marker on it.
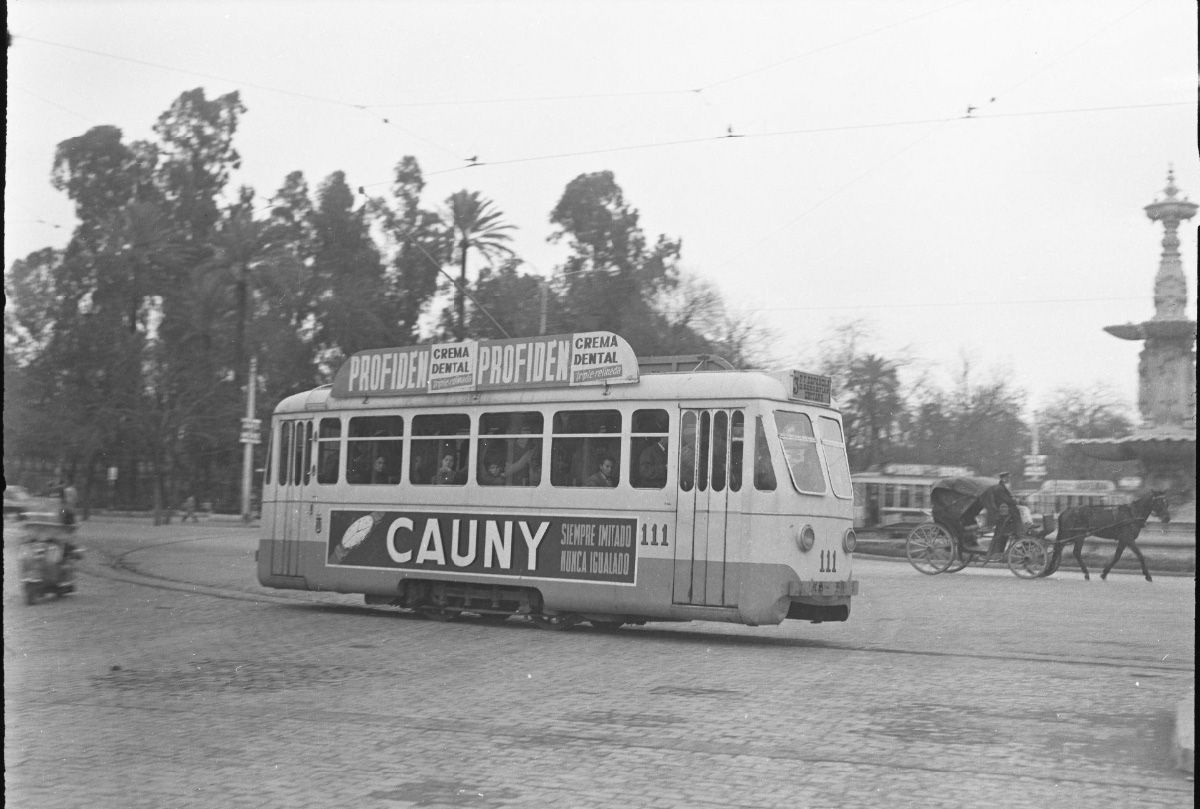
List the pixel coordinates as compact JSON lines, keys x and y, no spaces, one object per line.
{"x":874,"y":389}
{"x":475,"y":225}
{"x":244,"y":249}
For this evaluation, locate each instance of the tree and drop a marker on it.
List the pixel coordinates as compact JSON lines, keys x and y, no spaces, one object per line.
{"x":421,"y":247}
{"x":352,"y":311}
{"x":475,"y":224}
{"x":198,"y":156}
{"x":612,"y":276}
{"x":873,"y":397}
{"x":1075,"y":413}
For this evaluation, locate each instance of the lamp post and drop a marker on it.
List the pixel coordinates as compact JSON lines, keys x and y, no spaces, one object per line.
{"x":250,"y":437}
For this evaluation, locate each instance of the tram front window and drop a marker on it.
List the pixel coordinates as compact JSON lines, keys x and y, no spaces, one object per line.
{"x":800,"y":450}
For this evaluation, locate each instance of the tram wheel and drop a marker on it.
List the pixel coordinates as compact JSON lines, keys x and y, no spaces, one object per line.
{"x":1027,"y":558}
{"x":930,"y":548}
{"x":554,"y":622}
{"x":437,"y":614}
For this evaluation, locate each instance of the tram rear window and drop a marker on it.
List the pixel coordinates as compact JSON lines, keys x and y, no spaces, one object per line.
{"x":329,"y":450}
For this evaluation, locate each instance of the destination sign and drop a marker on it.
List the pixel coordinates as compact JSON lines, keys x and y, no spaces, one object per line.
{"x":576,"y":548}
{"x":565,"y":360}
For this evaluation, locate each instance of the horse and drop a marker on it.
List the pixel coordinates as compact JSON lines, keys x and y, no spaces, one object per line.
{"x":1122,"y":523}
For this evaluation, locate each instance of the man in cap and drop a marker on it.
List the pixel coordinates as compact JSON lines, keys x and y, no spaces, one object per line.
{"x":1003,"y":512}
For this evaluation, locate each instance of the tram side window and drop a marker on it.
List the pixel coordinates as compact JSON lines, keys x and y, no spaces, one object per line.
{"x":510,"y":449}
{"x":308,"y":451}
{"x":441,"y":448}
{"x":764,"y":469}
{"x":687,"y":451}
{"x":285,"y":451}
{"x":271,"y":438}
{"x":736,"y":448}
{"x":648,"y":449}
{"x":375,"y":449}
{"x":834,"y":446}
{"x":586,"y":448}
{"x":329,"y":450}
{"x":800,"y":451}
{"x":298,"y":451}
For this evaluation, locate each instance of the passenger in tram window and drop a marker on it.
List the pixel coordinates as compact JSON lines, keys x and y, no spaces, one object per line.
{"x":493,"y":474}
{"x":603,"y":479}
{"x":446,"y":475}
{"x":535,"y":470}
{"x":381,"y":471}
{"x":652,"y":465}
{"x":359,"y":469}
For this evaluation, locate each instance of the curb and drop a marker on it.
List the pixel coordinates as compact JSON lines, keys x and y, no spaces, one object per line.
{"x":1183,"y":742}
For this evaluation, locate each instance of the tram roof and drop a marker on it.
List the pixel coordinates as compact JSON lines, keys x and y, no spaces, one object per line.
{"x":563,"y":368}
{"x":665,"y":389}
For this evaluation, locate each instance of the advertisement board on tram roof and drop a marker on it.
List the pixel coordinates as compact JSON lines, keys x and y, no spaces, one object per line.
{"x":563,"y":360}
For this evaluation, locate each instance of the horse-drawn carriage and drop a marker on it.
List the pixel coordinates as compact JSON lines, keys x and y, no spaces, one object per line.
{"x":955,"y":538}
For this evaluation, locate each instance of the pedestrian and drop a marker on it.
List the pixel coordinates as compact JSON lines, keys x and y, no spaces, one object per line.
{"x":189,"y":509}
{"x":69,"y":498}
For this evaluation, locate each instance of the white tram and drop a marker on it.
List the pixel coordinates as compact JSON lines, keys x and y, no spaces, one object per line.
{"x":547,"y":477}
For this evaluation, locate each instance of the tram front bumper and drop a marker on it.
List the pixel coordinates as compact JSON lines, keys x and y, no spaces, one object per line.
{"x":826,"y":589}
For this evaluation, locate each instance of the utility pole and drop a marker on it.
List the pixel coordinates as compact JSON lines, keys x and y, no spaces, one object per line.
{"x":250,"y":436}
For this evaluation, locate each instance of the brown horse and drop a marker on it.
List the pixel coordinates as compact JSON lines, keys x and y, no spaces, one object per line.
{"x":1122,"y":523}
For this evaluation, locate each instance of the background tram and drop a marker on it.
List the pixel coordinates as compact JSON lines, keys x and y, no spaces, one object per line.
{"x":896,"y":496}
{"x":549,"y":478}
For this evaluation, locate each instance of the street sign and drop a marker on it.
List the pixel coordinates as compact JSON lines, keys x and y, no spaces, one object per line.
{"x":251,"y":431}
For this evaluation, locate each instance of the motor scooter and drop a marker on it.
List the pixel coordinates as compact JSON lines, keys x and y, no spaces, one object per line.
{"x":47,"y":560}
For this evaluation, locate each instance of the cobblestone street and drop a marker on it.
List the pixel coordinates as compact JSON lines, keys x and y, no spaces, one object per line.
{"x":203,"y":689}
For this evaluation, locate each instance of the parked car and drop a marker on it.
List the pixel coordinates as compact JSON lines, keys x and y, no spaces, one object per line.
{"x":16,"y":498}
{"x":19,"y":503}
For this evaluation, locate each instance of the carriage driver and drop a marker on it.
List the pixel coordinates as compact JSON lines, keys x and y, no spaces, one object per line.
{"x":990,"y":501}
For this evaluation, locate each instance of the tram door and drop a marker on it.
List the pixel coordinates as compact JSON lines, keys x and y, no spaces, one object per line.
{"x":707,"y":516}
{"x":295,"y":470}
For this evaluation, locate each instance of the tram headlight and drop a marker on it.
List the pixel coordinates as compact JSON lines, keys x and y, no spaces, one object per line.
{"x":806,"y":538}
{"x":849,"y":541}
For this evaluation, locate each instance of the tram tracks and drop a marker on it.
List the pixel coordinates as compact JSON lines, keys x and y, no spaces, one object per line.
{"x":119,"y":566}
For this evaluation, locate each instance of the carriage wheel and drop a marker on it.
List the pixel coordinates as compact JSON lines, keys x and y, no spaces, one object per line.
{"x":1027,"y":558}
{"x":959,"y":561}
{"x":930,"y":548}
{"x":1053,"y":563}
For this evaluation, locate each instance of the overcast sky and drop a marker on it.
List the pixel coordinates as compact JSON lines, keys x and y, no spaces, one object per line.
{"x":858,"y":184}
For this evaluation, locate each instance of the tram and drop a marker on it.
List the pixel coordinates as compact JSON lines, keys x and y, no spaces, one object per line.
{"x":896,"y":495}
{"x":553,"y":478}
